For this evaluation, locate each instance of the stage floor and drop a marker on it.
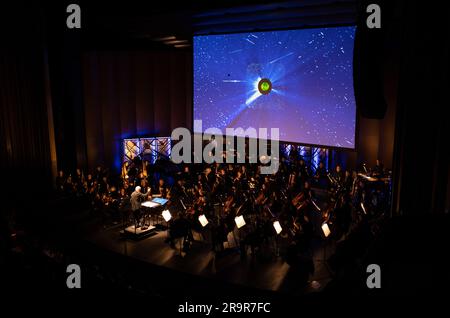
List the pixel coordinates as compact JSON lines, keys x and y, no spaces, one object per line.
{"x":268,"y":274}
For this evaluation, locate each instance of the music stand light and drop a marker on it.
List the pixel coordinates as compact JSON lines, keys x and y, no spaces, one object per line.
{"x":203,"y":220}
{"x":326,"y":229}
{"x":277,"y":227}
{"x":239,"y":220}
{"x":166,"y":215}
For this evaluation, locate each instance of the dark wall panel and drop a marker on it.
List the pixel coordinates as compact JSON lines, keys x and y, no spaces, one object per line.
{"x":189,"y":88}
{"x":93,"y":110}
{"x":162,"y":93}
{"x":178,"y":91}
{"x":143,"y":68}
{"x":126,"y":95}
{"x":134,"y":93}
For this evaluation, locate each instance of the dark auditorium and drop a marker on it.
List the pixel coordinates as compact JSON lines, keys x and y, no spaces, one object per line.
{"x":224,"y":157}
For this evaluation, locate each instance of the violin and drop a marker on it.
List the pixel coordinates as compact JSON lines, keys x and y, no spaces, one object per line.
{"x":228,"y":205}
{"x":261,"y":199}
{"x":299,"y":201}
{"x":296,"y":226}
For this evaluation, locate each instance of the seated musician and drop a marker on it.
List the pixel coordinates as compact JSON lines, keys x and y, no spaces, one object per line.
{"x":378,"y":170}
{"x":359,"y":194}
{"x":186,"y":175}
{"x":200,"y":207}
{"x":208,"y":178}
{"x":219,"y":233}
{"x":90,"y":180}
{"x":123,"y":198}
{"x":103,"y":185}
{"x":292,"y":180}
{"x":338,"y":175}
{"x":180,"y":228}
{"x":179,"y":189}
{"x":341,"y":217}
{"x":161,"y":189}
{"x":124,"y":170}
{"x":60,"y":181}
{"x":68,"y":186}
{"x":303,"y":173}
{"x":302,"y":200}
{"x":78,"y":177}
{"x":141,"y":180}
{"x":223,"y":182}
{"x":261,"y":198}
{"x":321,"y":175}
{"x":243,"y":172}
{"x":308,"y":194}
{"x":147,"y":168}
{"x":348,"y":181}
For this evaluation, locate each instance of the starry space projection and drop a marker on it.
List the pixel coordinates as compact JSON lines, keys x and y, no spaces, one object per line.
{"x":300,"y":81}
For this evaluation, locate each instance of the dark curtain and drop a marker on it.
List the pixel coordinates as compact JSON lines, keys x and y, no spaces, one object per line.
{"x":24,"y":135}
{"x":422,"y":140}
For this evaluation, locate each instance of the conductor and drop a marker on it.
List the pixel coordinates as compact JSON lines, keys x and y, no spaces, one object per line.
{"x":137,"y":197}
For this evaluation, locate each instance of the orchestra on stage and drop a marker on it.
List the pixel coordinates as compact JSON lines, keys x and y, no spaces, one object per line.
{"x":207,"y":199}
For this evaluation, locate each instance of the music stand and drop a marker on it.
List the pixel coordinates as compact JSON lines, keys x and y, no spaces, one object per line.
{"x":203,"y":220}
{"x":326,"y":233}
{"x":150,"y":205}
{"x":161,"y":202}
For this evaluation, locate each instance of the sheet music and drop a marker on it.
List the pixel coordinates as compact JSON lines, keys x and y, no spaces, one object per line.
{"x":150,"y":204}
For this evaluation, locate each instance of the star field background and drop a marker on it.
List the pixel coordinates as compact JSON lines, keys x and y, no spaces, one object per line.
{"x":312,"y":98}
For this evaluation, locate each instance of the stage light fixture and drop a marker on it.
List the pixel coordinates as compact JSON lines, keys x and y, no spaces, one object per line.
{"x":165,"y":38}
{"x":166,"y":215}
{"x":176,"y":42}
{"x":326,"y":229}
{"x":277,"y":227}
{"x":239,"y":220}
{"x":179,"y":46}
{"x":203,"y":220}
